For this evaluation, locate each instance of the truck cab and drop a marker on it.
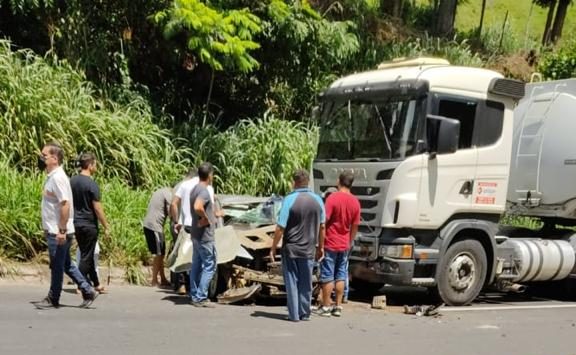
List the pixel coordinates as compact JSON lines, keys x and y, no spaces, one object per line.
{"x":430,"y":147}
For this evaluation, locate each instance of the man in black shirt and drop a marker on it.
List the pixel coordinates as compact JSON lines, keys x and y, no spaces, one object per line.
{"x":87,"y":212}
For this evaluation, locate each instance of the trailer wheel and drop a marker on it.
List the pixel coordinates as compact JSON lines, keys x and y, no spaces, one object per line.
{"x":364,"y":287}
{"x":461,"y":272}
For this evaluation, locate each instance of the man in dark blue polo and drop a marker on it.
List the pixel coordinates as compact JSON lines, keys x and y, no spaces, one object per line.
{"x":301,"y":226}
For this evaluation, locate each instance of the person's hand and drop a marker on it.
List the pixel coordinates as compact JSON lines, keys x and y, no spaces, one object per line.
{"x":107,"y":233}
{"x":319,"y":254}
{"x":203,"y":222}
{"x":60,"y":238}
{"x":220,"y":213}
{"x":177,"y":227}
{"x":272,"y":254}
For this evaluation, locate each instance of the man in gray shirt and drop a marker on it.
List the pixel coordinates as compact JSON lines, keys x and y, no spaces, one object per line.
{"x":202,"y":234}
{"x":158,"y":211}
{"x":300,"y":226}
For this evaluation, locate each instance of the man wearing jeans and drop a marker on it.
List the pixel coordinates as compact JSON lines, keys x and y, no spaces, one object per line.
{"x":202,"y":234}
{"x":57,"y":222}
{"x":342,"y":219}
{"x":301,"y":226}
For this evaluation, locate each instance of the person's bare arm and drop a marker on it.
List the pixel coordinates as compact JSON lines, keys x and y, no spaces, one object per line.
{"x":278,"y":233}
{"x":201,"y":212}
{"x":321,"y":238}
{"x":101,"y":217}
{"x":174,"y":207}
{"x":63,"y":222}
{"x":353,"y":232}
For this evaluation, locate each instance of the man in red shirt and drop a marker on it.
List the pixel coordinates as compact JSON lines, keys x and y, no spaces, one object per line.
{"x":342,"y":219}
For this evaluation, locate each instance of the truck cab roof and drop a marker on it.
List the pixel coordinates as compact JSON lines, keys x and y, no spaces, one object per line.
{"x":440,"y":75}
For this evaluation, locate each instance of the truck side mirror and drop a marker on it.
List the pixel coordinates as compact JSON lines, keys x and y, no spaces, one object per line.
{"x":443,"y":135}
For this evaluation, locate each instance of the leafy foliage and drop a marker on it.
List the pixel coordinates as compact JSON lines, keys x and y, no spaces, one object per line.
{"x":40,"y":102}
{"x":257,"y":157}
{"x":221,"y":39}
{"x":560,"y":64}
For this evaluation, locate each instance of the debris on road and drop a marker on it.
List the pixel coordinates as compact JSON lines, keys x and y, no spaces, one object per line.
{"x":427,"y":311}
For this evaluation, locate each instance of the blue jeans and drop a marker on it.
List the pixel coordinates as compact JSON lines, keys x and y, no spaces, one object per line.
{"x":203,"y":268}
{"x":334,"y":266}
{"x":60,"y":263}
{"x":298,"y":283}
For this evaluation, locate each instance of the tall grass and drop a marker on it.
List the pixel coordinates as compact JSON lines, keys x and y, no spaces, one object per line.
{"x":21,"y":230}
{"x":43,"y":100}
{"x":257,"y":157}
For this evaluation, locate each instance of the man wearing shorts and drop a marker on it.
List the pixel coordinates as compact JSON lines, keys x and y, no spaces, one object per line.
{"x":158,"y":211}
{"x":342,"y":219}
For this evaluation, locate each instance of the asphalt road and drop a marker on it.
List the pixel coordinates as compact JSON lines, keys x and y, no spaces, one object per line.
{"x":139,"y":320}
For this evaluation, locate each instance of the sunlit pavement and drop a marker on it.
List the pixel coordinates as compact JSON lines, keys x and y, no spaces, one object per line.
{"x":143,"y":320}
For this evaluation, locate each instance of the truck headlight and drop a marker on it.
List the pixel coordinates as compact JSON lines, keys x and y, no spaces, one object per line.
{"x":398,"y":251}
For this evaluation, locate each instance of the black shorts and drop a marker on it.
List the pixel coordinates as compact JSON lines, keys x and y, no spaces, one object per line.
{"x":155,"y":241}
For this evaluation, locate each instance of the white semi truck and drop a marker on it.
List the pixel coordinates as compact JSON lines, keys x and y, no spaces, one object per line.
{"x":439,"y":154}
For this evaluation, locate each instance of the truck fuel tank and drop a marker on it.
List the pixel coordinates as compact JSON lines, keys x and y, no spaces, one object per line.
{"x":540,"y":259}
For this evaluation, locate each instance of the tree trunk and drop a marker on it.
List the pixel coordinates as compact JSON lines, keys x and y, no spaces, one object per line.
{"x":446,"y":16}
{"x":396,"y":10}
{"x":559,"y":20}
{"x":547,"y":30}
{"x":482,"y":11}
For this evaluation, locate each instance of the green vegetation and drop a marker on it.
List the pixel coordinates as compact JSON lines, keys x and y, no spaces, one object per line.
{"x":42,"y":101}
{"x":560,"y":64}
{"x":155,"y":87}
{"x":259,"y":156}
{"x":519,"y":18}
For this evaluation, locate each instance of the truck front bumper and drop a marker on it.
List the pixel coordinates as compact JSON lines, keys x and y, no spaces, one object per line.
{"x":385,"y":270}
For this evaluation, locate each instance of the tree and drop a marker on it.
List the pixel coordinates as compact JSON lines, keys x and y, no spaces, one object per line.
{"x":557,"y":10}
{"x":559,"y":20}
{"x":221,"y":39}
{"x":482,"y":11}
{"x":445,"y":17}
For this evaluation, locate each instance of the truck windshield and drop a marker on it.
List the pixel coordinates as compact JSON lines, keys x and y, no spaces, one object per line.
{"x":381,"y":129}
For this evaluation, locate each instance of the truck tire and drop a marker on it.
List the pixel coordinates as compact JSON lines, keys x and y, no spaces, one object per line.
{"x":364,"y":287}
{"x":461,"y":272}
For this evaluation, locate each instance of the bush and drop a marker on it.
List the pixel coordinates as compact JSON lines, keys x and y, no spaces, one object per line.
{"x":258,"y":157}
{"x":560,"y":64}
{"x":42,"y":101}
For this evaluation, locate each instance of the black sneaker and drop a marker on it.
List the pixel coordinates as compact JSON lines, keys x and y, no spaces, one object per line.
{"x":88,"y":299}
{"x":46,"y":303}
{"x":203,"y":304}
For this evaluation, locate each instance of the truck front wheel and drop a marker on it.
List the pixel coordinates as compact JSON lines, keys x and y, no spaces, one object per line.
{"x":461,"y":272}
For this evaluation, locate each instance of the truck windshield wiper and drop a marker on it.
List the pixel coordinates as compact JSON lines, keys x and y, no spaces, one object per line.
{"x":388,"y":143}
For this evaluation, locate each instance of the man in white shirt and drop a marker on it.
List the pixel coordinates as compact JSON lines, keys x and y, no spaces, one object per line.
{"x":182,"y":212}
{"x":58,"y":226}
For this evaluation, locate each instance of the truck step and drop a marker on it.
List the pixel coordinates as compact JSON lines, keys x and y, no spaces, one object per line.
{"x":424,"y":281}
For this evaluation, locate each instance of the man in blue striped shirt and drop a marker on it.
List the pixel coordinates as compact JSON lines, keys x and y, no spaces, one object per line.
{"x":301,"y":226}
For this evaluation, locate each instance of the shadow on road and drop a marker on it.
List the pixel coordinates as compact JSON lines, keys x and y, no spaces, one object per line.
{"x":278,"y":316}
{"x":177,"y":299}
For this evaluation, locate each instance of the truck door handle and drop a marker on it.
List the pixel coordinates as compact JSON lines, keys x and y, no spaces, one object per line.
{"x":466,"y":188}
